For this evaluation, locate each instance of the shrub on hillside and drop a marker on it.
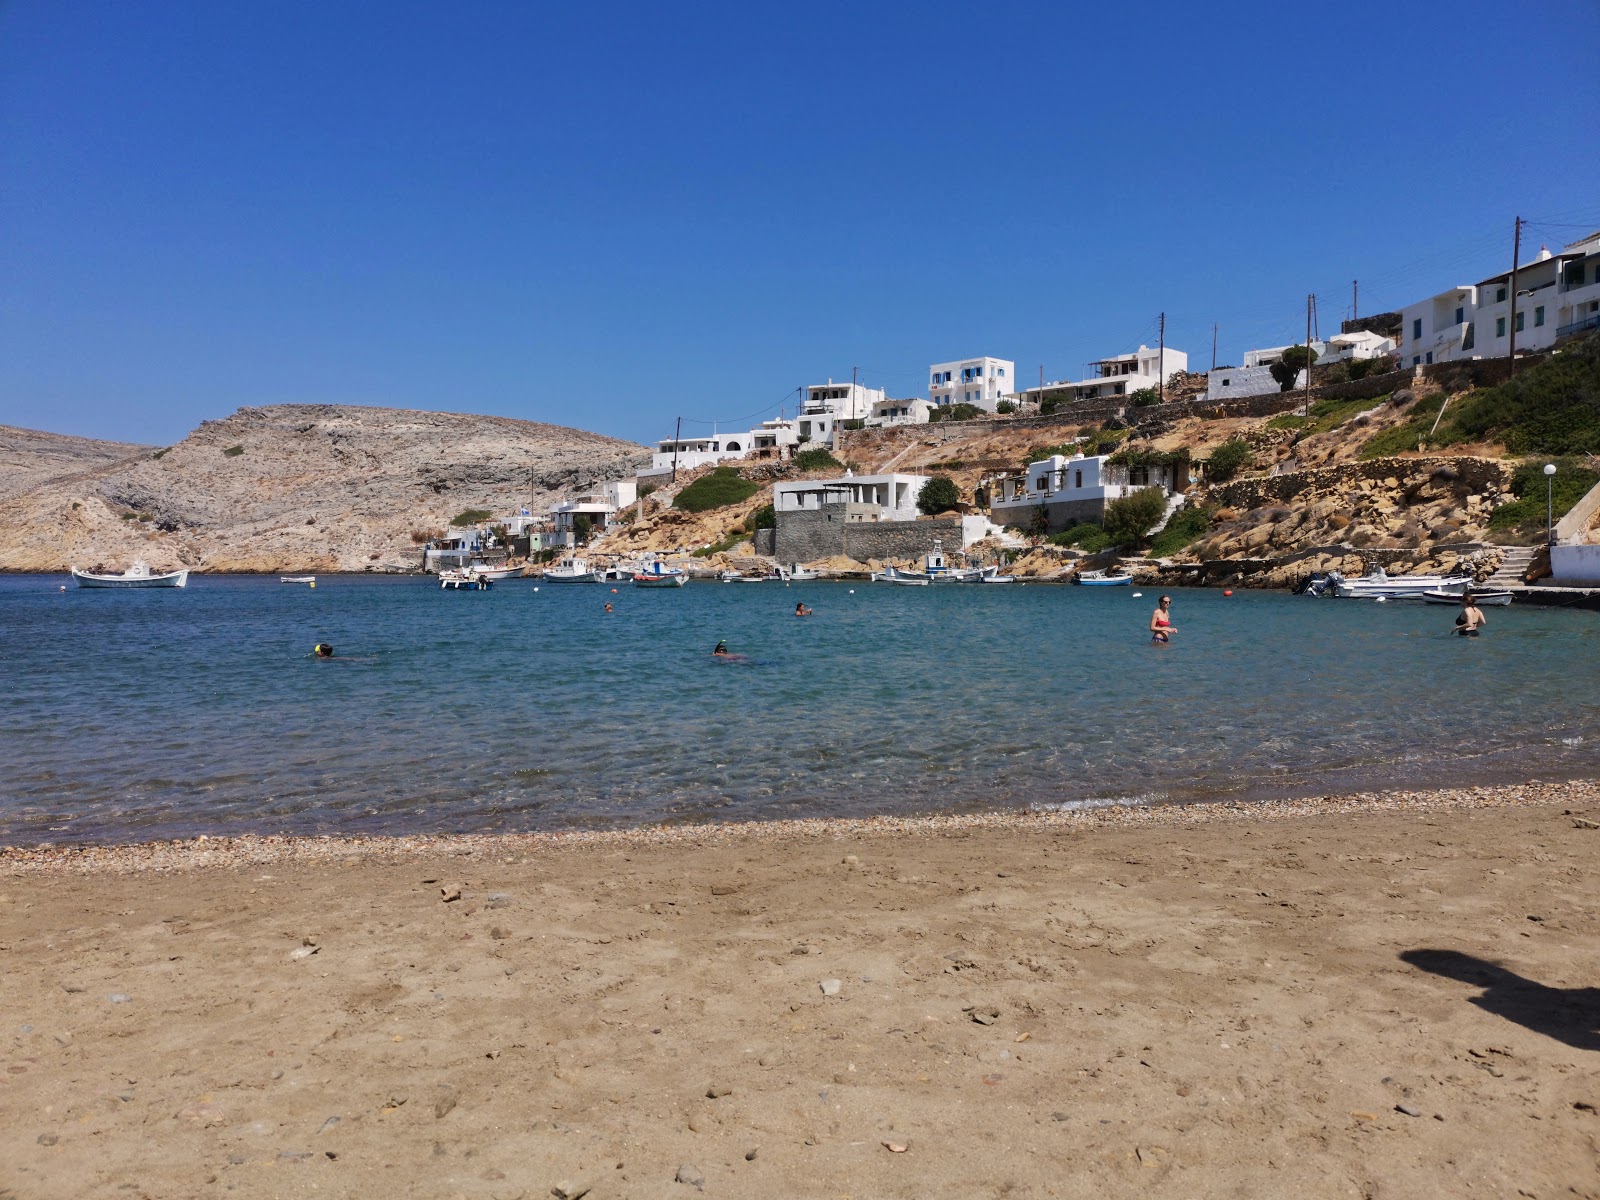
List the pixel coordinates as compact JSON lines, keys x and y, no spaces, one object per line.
{"x":1145,"y":397}
{"x":1571,"y":482}
{"x":938,"y":495}
{"x":765,"y":517}
{"x":1185,"y":526}
{"x":1129,"y":519}
{"x":956,"y":412}
{"x":1088,"y":536}
{"x":471,"y":516}
{"x":818,"y":459}
{"x":1227,"y":460}
{"x":1551,"y":407}
{"x":722,"y":487}
{"x":1005,"y":407}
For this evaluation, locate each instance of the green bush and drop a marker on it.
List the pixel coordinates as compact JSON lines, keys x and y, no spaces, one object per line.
{"x":820,"y":459}
{"x":582,"y":523}
{"x":1227,"y":460}
{"x":1551,"y":407}
{"x":1005,"y":406}
{"x":722,"y":487}
{"x":1145,"y":397}
{"x":722,"y":547}
{"x":1571,"y":482}
{"x":1185,"y":526}
{"x":853,"y":424}
{"x":956,"y":412}
{"x":472,"y":516}
{"x":938,"y":495}
{"x":1289,"y":421}
{"x":765,"y":517}
{"x":1089,"y":537}
{"x":1295,"y":359}
{"x":1129,"y":519}
{"x":233,"y":452}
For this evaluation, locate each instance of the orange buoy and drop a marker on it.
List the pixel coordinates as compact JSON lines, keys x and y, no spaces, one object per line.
{"x":1227,"y":591}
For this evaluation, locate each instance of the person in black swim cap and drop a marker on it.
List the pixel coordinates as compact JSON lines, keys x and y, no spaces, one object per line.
{"x":322,"y":650}
{"x":720,"y":650}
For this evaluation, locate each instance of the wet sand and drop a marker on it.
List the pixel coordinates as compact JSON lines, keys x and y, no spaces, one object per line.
{"x":1373,"y":996}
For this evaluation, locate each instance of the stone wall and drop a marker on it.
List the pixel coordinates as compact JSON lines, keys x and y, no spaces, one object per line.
{"x":817,"y":534}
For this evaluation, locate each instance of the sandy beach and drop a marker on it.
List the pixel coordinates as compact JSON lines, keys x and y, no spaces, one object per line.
{"x":1372,"y":996}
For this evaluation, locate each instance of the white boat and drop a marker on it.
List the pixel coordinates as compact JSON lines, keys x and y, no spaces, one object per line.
{"x":998,"y":578}
{"x":1103,"y":578}
{"x":798,"y":574}
{"x":903,"y":578}
{"x":571,"y":570}
{"x":1494,"y":597}
{"x":297,"y":578}
{"x":731,"y":576}
{"x":658,"y":575}
{"x":136,"y":576}
{"x":464,"y":580}
{"x":1377,"y":583}
{"x":494,"y":574}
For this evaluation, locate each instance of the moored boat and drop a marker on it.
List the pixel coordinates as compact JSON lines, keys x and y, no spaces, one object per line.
{"x":571,"y":570}
{"x":657,"y":575}
{"x":494,"y":574}
{"x":297,"y":578}
{"x":1379,"y":584}
{"x":136,"y":576}
{"x":1103,"y":578}
{"x":464,"y":579}
{"x":1492,"y":597}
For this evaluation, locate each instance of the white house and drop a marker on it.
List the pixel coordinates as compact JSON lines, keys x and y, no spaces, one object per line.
{"x":981,"y":381}
{"x":827,"y":405}
{"x":1119,"y":376}
{"x":892,"y":497}
{"x":1071,"y":490}
{"x":899,"y":412}
{"x":770,"y":440}
{"x":1271,"y":355}
{"x":1362,"y":344}
{"x":1229,"y":383}
{"x":1440,"y":328}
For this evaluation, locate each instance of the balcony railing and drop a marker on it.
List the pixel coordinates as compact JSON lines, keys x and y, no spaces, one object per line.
{"x":1578,"y":326}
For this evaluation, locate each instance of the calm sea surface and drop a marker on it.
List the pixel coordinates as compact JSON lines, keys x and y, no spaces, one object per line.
{"x":127,"y":715}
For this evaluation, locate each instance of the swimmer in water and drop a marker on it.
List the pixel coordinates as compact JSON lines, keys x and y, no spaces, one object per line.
{"x":322,"y":650}
{"x":608,"y":606}
{"x":1470,"y":619}
{"x":800,"y":610}
{"x":720,"y":650}
{"x":1161,"y":625}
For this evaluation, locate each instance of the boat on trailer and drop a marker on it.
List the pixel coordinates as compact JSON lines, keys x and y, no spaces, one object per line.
{"x":138,"y":575}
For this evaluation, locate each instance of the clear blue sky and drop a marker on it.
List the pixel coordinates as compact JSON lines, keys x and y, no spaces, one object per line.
{"x":610,"y":215}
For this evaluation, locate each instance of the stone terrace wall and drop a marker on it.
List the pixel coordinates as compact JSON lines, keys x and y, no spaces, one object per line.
{"x":1476,"y":474}
{"x":808,"y":536}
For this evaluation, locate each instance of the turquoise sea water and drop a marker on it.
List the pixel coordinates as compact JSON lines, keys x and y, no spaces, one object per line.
{"x":128,"y":715}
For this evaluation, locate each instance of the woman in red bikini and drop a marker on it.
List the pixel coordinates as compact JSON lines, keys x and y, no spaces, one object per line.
{"x":1161,"y":625}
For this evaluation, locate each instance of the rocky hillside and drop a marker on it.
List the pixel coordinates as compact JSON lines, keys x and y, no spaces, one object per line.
{"x":30,"y":458}
{"x":291,"y":488}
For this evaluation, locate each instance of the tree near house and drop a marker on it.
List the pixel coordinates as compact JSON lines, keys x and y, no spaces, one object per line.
{"x":938,"y":495}
{"x":1129,"y":519}
{"x":582,"y":523}
{"x":1295,"y":359}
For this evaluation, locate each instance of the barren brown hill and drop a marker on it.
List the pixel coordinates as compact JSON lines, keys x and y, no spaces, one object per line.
{"x":31,"y":457}
{"x":298,"y":487}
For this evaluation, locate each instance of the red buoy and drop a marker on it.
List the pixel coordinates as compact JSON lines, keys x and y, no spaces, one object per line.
{"x":1227,"y":591}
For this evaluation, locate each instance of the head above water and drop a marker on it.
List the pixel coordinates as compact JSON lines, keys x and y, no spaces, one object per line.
{"x":322,"y":650}
{"x":720,"y":648}
{"x":1164,"y":601}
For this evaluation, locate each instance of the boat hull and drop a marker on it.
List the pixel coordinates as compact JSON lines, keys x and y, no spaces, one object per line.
{"x":660,"y":581}
{"x":175,"y":579}
{"x":1105,"y":580}
{"x":1493,"y":599}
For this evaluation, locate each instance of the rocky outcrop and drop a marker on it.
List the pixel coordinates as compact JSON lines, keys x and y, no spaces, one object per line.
{"x":301,"y":487}
{"x":30,"y":458}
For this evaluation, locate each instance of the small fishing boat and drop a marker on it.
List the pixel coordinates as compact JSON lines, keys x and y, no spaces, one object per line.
{"x":464,"y":580}
{"x":136,"y":576}
{"x":731,"y":576}
{"x":571,"y":570}
{"x":657,"y":575}
{"x":494,"y":574}
{"x":1103,"y":578}
{"x":1493,"y":597}
{"x":903,"y":578}
{"x":798,"y":574}
{"x":996,"y":577}
{"x":297,"y":578}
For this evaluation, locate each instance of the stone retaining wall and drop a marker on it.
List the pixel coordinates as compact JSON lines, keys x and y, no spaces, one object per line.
{"x":1477,"y":474}
{"x":809,"y":536}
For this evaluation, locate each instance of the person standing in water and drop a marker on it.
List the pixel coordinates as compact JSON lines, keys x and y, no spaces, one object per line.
{"x":1470,"y":619}
{"x":800,"y":610}
{"x":1161,"y":625}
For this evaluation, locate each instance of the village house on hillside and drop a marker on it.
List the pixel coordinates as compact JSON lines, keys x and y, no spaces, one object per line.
{"x":1069,"y":491}
{"x":1557,"y":296}
{"x":1121,"y":375}
{"x":982,"y":382}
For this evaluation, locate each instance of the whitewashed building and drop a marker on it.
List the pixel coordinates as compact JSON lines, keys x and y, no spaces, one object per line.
{"x":879,"y":497}
{"x":826,"y":406}
{"x":1121,"y":375}
{"x":772,"y":439}
{"x":1361,"y":345}
{"x":1071,"y":490}
{"x":1440,"y":328}
{"x":1230,"y":383}
{"x":899,"y":412}
{"x":982,"y":381}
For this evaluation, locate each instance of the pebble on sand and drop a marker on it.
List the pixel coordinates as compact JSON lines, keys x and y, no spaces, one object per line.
{"x":691,"y":1175}
{"x":830,"y":987}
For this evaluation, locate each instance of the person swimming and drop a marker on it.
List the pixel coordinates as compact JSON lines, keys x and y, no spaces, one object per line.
{"x":1161,"y":625}
{"x":322,"y":650}
{"x":800,"y":610}
{"x":720,"y":650}
{"x":1470,"y":619}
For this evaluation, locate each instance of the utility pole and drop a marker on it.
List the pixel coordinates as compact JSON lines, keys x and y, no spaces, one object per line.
{"x":1213,"y":345}
{"x":1309,"y":301}
{"x":676,"y":437}
{"x":1161,"y":359}
{"x":1316,"y":320}
{"x":1355,"y":299}
{"x":1516,"y":261}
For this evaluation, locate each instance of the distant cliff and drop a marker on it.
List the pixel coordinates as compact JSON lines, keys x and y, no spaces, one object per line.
{"x":288,"y":487}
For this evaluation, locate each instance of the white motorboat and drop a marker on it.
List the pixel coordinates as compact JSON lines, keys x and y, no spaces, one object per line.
{"x":571,"y":570}
{"x":903,"y":578}
{"x":998,"y":578}
{"x":136,"y":576}
{"x":1493,"y":597}
{"x":494,"y":574}
{"x":798,"y":574}
{"x":1103,"y":578}
{"x":731,"y":576}
{"x":1378,"y":583}
{"x":464,"y":580}
{"x":297,"y":579}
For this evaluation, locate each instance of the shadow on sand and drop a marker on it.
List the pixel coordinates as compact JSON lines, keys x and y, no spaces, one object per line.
{"x":1570,"y":1015}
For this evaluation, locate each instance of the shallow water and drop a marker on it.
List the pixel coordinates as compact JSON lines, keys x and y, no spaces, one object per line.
{"x":137,"y":714}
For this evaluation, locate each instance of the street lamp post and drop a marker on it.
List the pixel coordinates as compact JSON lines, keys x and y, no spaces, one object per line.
{"x":1549,"y":504}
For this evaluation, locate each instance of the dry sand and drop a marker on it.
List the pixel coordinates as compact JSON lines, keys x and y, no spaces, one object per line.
{"x":1368,"y":997}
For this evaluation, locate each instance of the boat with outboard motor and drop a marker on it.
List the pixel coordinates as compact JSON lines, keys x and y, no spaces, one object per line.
{"x":659,"y":575}
{"x":136,"y":576}
{"x":1103,"y":578}
{"x":1379,"y":584}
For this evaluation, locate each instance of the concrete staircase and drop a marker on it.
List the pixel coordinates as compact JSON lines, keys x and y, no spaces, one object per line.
{"x":1514,"y":562}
